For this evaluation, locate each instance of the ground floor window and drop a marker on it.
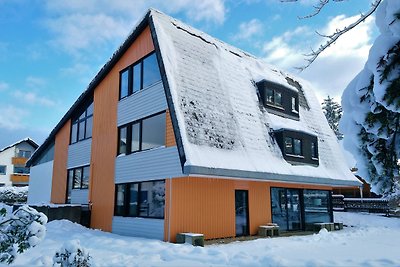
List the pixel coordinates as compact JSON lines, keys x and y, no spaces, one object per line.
{"x":143,"y":199}
{"x":299,"y":209}
{"x":77,"y":178}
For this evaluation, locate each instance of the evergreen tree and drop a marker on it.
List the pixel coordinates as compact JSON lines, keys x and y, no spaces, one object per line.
{"x":333,"y":113}
{"x":371,"y":104}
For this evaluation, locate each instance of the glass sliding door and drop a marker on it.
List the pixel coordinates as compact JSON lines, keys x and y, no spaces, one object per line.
{"x":242,"y":212}
{"x":293,"y":209}
{"x":317,"y":208}
{"x":286,"y":208}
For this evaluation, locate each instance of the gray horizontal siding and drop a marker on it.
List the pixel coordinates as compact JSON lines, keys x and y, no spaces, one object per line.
{"x":152,"y":164}
{"x":79,"y":153}
{"x":79,"y":196}
{"x":141,"y":104}
{"x":140,"y":227}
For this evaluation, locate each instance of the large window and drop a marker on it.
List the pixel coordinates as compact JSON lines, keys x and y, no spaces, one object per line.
{"x":21,"y":170}
{"x":81,"y":127}
{"x":138,"y":76}
{"x":317,"y":208}
{"x":24,"y":153}
{"x":141,"y":135}
{"x":144,"y":199}
{"x":3,"y":169}
{"x":79,"y":177}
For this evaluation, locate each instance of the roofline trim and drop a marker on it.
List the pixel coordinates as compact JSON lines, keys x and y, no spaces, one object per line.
{"x":200,"y":170}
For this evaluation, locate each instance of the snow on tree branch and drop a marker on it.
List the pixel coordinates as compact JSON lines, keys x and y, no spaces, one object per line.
{"x":332,"y":38}
{"x":24,"y":229}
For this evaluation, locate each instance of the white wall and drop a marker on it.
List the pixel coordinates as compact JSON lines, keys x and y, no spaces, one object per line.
{"x":5,"y":159}
{"x":40,"y":183}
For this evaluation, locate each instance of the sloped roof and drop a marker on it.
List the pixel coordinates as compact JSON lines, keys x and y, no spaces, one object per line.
{"x":222,"y":127}
{"x":26,"y":139}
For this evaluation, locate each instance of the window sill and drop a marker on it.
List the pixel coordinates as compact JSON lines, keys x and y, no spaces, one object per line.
{"x":295,"y":156}
{"x":272,"y":105}
{"x":315,"y":159}
{"x":295,"y":111}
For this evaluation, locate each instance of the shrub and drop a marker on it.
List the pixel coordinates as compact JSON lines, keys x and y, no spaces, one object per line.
{"x":72,"y":255}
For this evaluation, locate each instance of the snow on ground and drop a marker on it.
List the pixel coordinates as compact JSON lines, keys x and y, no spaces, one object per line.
{"x":369,"y":240}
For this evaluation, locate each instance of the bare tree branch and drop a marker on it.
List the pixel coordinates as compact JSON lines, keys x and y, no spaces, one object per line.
{"x":332,"y":38}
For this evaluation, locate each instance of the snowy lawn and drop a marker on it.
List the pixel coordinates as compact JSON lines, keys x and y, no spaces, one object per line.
{"x":370,"y":240}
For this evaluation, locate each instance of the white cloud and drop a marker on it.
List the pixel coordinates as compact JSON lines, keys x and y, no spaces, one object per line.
{"x":11,"y":117}
{"x":33,"y":99}
{"x":35,"y":82}
{"x":248,"y":29}
{"x":84,"y":25}
{"x":336,"y":66}
{"x":3,"y":86}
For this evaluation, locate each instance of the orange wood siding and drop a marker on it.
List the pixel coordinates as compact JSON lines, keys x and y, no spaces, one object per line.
{"x":207,"y":205}
{"x":104,"y":140}
{"x":169,"y":132}
{"x":59,"y":181}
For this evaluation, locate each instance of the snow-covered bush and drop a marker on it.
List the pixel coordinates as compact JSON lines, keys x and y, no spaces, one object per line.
{"x":72,"y":255}
{"x":25,"y":228}
{"x":13,"y":195}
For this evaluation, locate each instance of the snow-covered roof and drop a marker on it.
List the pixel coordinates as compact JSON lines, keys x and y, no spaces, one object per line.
{"x":223,"y":130}
{"x":26,"y":139}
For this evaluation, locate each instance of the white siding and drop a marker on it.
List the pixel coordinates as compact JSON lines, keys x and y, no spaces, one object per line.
{"x":79,"y":153}
{"x":141,"y":104}
{"x":159,"y":163}
{"x":40,"y":183}
{"x":140,"y":227}
{"x":79,"y":196}
{"x":5,"y":159}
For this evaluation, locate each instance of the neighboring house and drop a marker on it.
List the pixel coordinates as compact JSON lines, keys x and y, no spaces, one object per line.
{"x":355,"y":192}
{"x":180,"y":132}
{"x":12,"y":162}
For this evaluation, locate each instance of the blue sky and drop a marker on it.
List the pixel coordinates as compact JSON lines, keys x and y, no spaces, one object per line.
{"x":50,"y":50}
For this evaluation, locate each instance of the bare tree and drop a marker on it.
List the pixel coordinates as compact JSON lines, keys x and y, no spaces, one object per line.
{"x":333,"y":37}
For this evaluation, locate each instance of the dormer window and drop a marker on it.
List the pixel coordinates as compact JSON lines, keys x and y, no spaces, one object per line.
{"x":279,"y":99}
{"x":274,"y":97}
{"x":298,"y":148}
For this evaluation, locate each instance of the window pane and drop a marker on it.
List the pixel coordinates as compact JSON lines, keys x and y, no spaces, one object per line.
{"x":277,"y":97}
{"x":144,"y":198}
{"x":314,"y":150}
{"x":70,"y":179}
{"x":137,"y":79}
{"x":89,"y":127}
{"x":120,"y":200}
{"x":83,"y":115}
{"x":288,"y":145}
{"x":124,"y":84}
{"x":77,"y":179}
{"x":122,"y":140}
{"x":294,"y":107}
{"x":74,"y":133}
{"x":297,"y":147}
{"x":3,"y":169}
{"x":151,"y":72}
{"x":24,"y":154}
{"x":270,"y":95}
{"x":153,"y":132}
{"x":316,"y":207}
{"x":21,"y":170}
{"x":157,"y":201}
{"x":85,"y":177}
{"x":133,"y":201}
{"x":81,"y":131}
{"x":135,"y":137}
{"x":89,"y":110}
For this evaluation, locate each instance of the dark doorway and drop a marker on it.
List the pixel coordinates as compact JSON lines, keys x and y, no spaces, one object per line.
{"x":242,"y":212}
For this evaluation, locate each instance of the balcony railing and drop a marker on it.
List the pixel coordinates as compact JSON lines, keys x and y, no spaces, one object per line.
{"x":19,"y":178}
{"x":19,"y":161}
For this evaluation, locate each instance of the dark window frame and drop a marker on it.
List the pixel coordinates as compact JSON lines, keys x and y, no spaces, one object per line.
{"x":81,"y":168}
{"x":131,"y":78}
{"x":129,"y":135}
{"x":293,"y":150}
{"x":77,"y":121}
{"x":125,"y":208}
